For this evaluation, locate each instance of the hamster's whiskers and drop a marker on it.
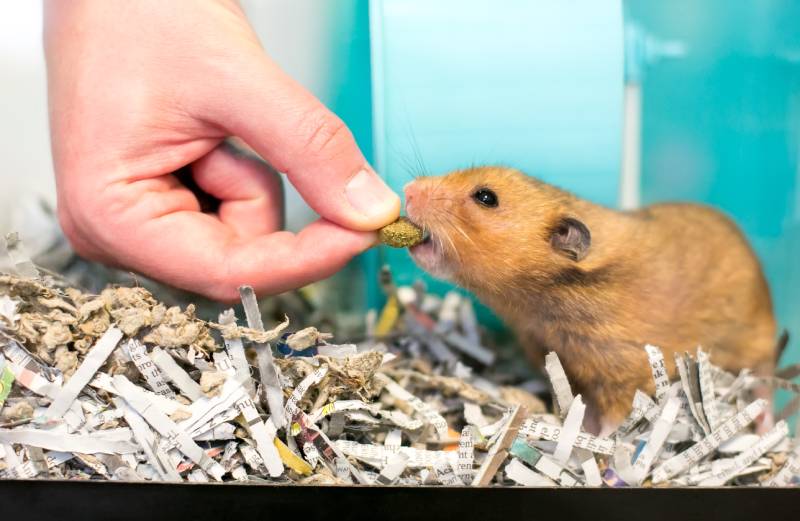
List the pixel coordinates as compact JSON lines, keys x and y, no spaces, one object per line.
{"x":435,"y":217}
{"x":432,"y":193}
{"x":460,"y":230}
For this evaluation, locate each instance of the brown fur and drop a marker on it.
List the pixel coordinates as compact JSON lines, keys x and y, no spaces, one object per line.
{"x":673,"y":275}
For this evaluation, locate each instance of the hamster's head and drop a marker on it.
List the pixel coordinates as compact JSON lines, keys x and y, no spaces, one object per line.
{"x":493,"y":228}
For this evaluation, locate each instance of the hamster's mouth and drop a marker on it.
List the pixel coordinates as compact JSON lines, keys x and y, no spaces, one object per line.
{"x":428,"y":255}
{"x":427,"y":243}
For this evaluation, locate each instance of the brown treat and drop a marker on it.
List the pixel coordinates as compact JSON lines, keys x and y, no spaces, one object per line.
{"x":594,"y":284}
{"x":401,"y":234}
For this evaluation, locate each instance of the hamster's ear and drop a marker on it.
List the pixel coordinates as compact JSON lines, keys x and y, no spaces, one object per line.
{"x":571,"y":238}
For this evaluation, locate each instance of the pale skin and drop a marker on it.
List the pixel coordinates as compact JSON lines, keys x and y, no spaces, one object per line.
{"x":139,"y":90}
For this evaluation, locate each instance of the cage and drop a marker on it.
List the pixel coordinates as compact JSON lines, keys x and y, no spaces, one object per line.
{"x":624,"y":102}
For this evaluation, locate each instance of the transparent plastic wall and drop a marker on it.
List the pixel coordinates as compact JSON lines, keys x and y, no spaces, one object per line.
{"x":532,"y":85}
{"x":719,"y":86}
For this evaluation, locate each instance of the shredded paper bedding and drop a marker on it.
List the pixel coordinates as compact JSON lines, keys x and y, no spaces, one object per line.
{"x":119,"y":386}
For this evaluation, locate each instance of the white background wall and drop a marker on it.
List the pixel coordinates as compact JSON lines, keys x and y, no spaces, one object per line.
{"x":25,"y":166}
{"x":290,"y":31}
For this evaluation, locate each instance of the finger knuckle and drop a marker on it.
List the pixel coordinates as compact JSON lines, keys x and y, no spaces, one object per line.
{"x":326,"y":132}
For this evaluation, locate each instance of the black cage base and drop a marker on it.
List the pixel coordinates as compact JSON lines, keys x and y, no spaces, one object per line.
{"x":112,"y":501}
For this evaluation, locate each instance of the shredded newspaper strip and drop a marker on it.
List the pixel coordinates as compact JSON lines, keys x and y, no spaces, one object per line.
{"x":120,"y":386}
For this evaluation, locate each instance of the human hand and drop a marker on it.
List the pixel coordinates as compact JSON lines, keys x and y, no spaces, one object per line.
{"x":139,"y":90}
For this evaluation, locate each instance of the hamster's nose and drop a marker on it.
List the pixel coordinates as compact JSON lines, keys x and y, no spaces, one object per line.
{"x":409,"y":187}
{"x":415,"y":189}
{"x":413,"y":193}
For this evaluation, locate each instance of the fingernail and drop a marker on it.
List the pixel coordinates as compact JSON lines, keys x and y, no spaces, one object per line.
{"x":368,"y":194}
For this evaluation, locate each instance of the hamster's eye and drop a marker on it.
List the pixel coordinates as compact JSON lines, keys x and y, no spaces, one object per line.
{"x":485,"y":197}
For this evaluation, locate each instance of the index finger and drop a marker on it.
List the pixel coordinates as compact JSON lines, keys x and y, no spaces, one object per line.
{"x":197,"y":252}
{"x":298,"y":135}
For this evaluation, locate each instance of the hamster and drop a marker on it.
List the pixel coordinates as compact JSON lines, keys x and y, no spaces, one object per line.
{"x":594,"y":284}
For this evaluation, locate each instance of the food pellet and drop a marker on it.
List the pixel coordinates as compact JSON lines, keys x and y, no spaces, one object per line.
{"x":401,"y":234}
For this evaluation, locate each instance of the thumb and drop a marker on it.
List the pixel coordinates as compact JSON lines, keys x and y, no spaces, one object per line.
{"x":294,"y":131}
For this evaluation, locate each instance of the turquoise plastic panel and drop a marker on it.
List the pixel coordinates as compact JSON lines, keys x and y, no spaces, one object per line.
{"x":721,"y":125}
{"x":533,"y":85}
{"x":344,"y":41}
{"x":347,"y":51}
